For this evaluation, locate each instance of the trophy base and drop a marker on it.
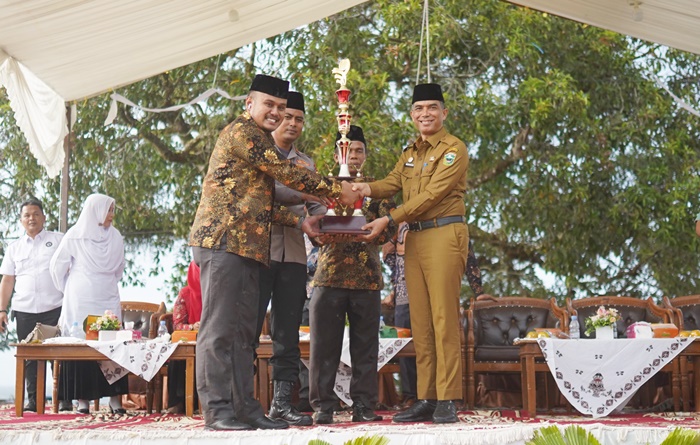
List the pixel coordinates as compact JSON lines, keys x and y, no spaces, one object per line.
{"x":346,"y":225}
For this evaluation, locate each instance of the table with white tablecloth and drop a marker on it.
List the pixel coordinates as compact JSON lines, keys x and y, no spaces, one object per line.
{"x":599,"y":376}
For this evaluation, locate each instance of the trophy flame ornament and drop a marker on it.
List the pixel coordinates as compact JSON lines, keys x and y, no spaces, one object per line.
{"x":333,"y":222}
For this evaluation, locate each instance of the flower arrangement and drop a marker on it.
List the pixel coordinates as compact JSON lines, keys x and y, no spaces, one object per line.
{"x":107,"y":322}
{"x":603,"y":317}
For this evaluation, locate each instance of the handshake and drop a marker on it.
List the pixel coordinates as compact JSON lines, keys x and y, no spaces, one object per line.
{"x":351,"y":193}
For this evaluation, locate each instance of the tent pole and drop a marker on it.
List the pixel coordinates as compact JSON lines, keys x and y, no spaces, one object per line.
{"x":65,"y":177}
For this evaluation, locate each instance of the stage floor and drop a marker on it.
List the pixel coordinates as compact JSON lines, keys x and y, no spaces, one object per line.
{"x":492,"y":427}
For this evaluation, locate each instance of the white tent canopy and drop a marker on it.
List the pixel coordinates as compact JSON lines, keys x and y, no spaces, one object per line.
{"x":674,"y":23}
{"x":57,"y":51}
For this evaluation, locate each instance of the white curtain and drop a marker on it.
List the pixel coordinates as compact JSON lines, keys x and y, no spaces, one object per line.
{"x":39,"y":111}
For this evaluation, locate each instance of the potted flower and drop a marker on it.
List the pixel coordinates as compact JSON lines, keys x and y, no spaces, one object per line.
{"x":603,"y":323}
{"x":106,"y":326}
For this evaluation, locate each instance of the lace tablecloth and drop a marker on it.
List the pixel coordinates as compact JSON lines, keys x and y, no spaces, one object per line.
{"x":388,"y":348}
{"x":599,"y":376}
{"x":142,"y":357}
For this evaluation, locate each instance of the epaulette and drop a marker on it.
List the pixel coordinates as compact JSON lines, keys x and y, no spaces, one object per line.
{"x":406,"y":148}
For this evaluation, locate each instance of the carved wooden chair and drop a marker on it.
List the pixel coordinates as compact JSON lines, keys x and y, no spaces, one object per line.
{"x":145,"y":318}
{"x":631,"y":310}
{"x":686,"y":315}
{"x":491,"y":326}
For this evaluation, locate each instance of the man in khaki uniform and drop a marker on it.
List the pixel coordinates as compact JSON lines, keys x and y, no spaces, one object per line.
{"x":432,"y":173}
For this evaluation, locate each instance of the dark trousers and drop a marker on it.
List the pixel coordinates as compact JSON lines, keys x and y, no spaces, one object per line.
{"x":328,"y":309}
{"x":303,"y":370}
{"x":402,"y":318}
{"x":25,"y":324}
{"x":285,"y":285}
{"x":226,"y":335}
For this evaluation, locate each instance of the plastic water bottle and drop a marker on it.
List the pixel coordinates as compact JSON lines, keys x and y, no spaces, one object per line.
{"x":574,"y":330}
{"x":75,"y":331}
{"x":162,"y":329}
{"x":381,"y":325}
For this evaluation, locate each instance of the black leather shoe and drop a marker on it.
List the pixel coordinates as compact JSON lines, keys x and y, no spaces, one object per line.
{"x":30,"y":406}
{"x":265,"y":423}
{"x":445,"y":412}
{"x":65,"y":405}
{"x":360,"y":413}
{"x":117,"y":410}
{"x":227,"y":425}
{"x":421,"y":411}
{"x":323,"y":418}
{"x":83,"y":410}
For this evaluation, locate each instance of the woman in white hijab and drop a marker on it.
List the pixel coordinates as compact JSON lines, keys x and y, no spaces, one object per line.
{"x":87,"y":267}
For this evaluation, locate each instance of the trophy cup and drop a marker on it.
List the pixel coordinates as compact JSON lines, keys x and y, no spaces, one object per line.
{"x":338,"y":219}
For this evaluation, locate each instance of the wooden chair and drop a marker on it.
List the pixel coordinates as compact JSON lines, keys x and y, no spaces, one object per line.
{"x":145,"y":318}
{"x":492,"y":325}
{"x":631,"y":310}
{"x":686,"y":315}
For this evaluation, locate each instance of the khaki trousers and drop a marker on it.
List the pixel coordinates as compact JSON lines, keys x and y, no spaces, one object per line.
{"x":435,"y":264}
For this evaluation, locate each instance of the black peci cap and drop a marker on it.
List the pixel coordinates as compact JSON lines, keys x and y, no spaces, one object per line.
{"x":296,"y":100}
{"x":355,"y":134}
{"x":427,"y":91}
{"x":270,"y":85}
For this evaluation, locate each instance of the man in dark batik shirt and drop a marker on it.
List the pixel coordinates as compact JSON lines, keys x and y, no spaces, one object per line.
{"x":347,"y":283}
{"x":230,"y":239}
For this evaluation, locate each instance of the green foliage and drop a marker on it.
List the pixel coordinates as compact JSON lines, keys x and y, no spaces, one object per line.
{"x":682,"y":436}
{"x":362,"y":440}
{"x":573,"y":435}
{"x":582,"y":169}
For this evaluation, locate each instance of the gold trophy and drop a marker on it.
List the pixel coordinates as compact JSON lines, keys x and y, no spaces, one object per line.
{"x":333,"y":222}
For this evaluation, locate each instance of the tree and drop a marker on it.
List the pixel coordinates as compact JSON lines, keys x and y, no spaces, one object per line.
{"x":582,"y":169}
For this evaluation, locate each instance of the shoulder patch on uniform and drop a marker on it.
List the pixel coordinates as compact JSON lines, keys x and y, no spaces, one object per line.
{"x":449,"y":158}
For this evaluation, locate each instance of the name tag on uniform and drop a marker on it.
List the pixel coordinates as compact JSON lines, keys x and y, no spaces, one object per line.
{"x":409,"y":163}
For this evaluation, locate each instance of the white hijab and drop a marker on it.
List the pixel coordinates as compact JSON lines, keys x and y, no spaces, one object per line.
{"x":103,"y":246}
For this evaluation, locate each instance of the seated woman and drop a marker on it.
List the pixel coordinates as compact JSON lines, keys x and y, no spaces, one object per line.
{"x":87,"y":267}
{"x":186,"y":315}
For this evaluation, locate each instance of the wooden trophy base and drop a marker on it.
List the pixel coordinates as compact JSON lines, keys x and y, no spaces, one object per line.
{"x":343,"y":225}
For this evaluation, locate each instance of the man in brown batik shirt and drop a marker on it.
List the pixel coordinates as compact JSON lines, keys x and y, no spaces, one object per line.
{"x":230,"y":238}
{"x":347,"y":282}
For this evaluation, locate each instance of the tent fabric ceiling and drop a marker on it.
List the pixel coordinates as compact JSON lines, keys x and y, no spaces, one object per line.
{"x":674,"y":23}
{"x":81,"y":48}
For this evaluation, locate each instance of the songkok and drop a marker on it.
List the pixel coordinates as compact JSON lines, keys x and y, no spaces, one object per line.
{"x":355,"y":134}
{"x":295,"y":100}
{"x":427,"y":91}
{"x":270,"y":85}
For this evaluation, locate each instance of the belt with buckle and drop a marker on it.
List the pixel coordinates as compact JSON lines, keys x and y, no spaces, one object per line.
{"x":437,"y":222}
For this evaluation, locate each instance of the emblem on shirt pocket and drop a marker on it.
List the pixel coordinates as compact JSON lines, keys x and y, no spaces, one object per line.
{"x":449,"y":159}
{"x":49,"y":244}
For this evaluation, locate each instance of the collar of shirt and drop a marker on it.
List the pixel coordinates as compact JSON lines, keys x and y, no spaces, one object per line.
{"x":38,"y":237}
{"x":433,"y":140}
{"x":292,"y":152}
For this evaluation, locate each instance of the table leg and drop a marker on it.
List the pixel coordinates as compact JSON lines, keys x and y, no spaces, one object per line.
{"x":696,"y":382}
{"x":264,"y":384}
{"x":529,"y":390}
{"x":676,"y":384}
{"x":189,"y":387}
{"x":40,"y":386}
{"x":19,"y":387}
{"x":56,"y":373}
